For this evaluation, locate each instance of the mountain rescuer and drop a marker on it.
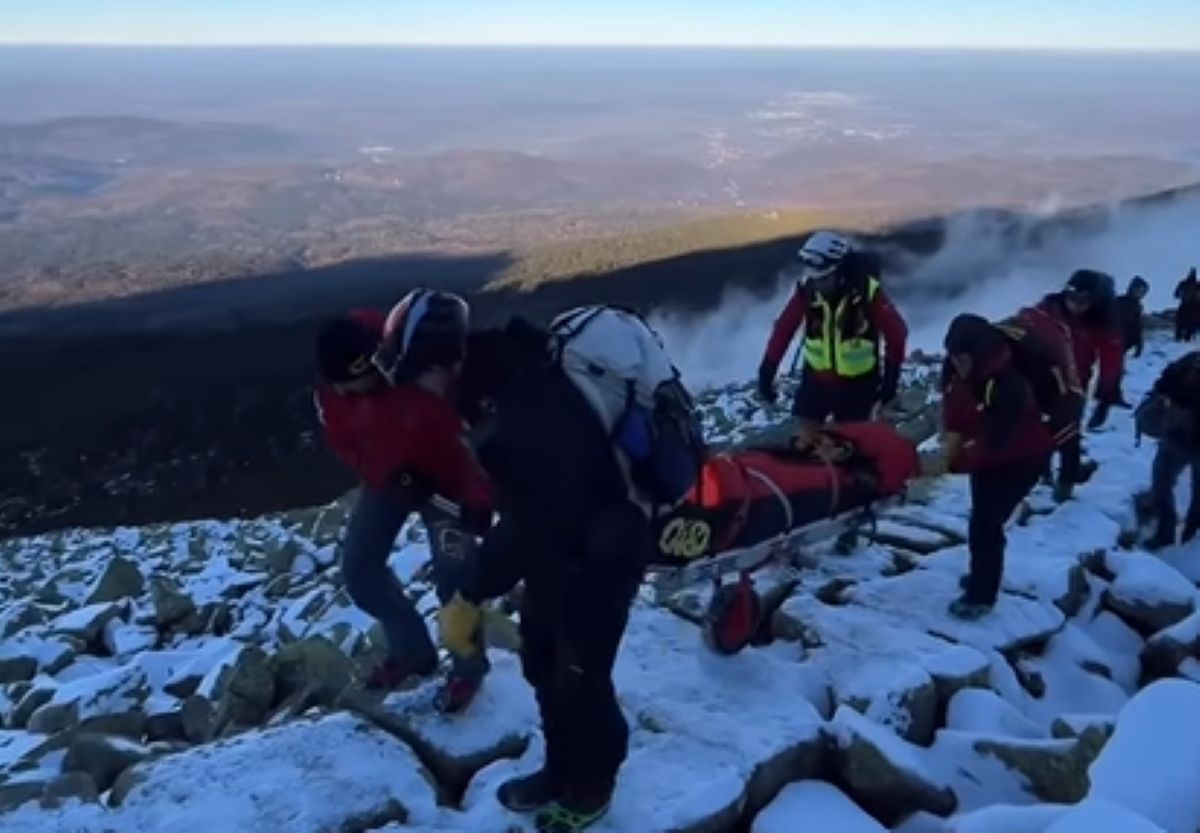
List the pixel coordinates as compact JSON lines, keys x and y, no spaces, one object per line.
{"x":1187,"y":314}
{"x":844,"y":311}
{"x":383,"y":399}
{"x":570,"y":529}
{"x":1087,"y":307}
{"x":1130,"y":312}
{"x":1172,"y":414}
{"x":994,"y":432}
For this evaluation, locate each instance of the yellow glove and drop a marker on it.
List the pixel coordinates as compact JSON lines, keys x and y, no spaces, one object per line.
{"x":458,"y":626}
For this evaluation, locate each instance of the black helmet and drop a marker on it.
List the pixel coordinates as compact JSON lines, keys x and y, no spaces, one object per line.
{"x":345,"y":347}
{"x":971,"y":335}
{"x":426,"y":328}
{"x":1098,"y":287}
{"x":1139,"y":282}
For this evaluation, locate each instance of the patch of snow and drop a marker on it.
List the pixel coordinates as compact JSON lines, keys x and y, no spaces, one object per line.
{"x":305,"y":777}
{"x":14,"y":743}
{"x":1121,"y":644}
{"x":978,"y":780}
{"x":814,"y":805}
{"x":1096,"y":814}
{"x":983,"y":711}
{"x":1151,"y":765}
{"x":1007,"y":818}
{"x":1149,"y":580}
{"x":847,"y":723}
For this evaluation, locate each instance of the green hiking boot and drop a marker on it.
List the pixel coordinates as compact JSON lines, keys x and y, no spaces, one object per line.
{"x":570,"y":815}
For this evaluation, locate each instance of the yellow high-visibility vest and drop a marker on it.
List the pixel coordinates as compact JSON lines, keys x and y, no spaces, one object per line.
{"x":829,"y":347}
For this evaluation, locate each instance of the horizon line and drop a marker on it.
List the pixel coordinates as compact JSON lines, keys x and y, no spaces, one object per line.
{"x":759,"y":47}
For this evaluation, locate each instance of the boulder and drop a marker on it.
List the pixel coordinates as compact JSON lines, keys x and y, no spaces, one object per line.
{"x":886,"y":776}
{"x":1147,"y":592}
{"x":1096,"y":814}
{"x":817,"y":806}
{"x":335,"y":773}
{"x":1055,"y":770}
{"x":314,"y":669}
{"x":123,"y":639}
{"x":1167,"y":649}
{"x":171,"y":604}
{"x":197,"y":719}
{"x":118,"y":691}
{"x":983,"y":711}
{"x":20,"y":617}
{"x":70,"y":786}
{"x":30,"y":702}
{"x":17,"y":668}
{"x":102,"y":757}
{"x":164,"y":726}
{"x":87,"y":623}
{"x":121,"y":579}
{"x":246,"y":690}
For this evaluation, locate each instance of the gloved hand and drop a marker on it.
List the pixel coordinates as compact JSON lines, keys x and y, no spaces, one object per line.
{"x":459,"y":622}
{"x":766,"y":382}
{"x":890,"y":383}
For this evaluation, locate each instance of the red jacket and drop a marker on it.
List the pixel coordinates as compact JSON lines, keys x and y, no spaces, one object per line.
{"x":1092,"y":342}
{"x":883,"y":315}
{"x":997,"y":416}
{"x":405,"y":429}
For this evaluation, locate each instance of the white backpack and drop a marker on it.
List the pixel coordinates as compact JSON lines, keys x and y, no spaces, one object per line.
{"x":621,"y":366}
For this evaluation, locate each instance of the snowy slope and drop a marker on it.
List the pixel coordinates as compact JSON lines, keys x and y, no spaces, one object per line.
{"x":199,"y":671}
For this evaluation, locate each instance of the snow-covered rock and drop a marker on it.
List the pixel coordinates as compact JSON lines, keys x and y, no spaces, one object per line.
{"x":110,"y":692}
{"x":885,"y":775}
{"x":814,"y":805}
{"x":1096,"y":814}
{"x":1147,"y":592}
{"x":1151,"y":765}
{"x":121,"y":579}
{"x":1167,"y":649}
{"x":87,"y":623}
{"x":984,"y":712}
{"x":1007,"y":818}
{"x":102,"y":758}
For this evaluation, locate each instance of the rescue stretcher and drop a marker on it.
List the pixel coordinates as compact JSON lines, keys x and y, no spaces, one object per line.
{"x":772,"y":505}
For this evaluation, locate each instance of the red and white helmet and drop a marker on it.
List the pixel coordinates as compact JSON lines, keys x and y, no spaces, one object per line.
{"x":425,"y":328}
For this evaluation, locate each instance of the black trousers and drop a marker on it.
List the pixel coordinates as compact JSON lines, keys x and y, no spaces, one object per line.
{"x":846,"y":400}
{"x":572,"y":623}
{"x":995,"y":494}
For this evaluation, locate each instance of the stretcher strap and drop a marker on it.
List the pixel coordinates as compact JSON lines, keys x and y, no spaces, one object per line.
{"x":778,"y":492}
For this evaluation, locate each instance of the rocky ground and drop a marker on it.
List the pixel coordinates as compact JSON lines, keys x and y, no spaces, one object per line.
{"x":202,"y":674}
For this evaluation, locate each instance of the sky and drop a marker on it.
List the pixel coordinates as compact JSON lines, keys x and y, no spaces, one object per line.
{"x":1054,"y":24}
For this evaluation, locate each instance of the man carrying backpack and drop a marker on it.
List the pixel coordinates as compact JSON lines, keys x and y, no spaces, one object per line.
{"x":1187,"y":314}
{"x":383,"y":402}
{"x":845,"y":312}
{"x":1172,"y":414}
{"x":994,"y":432}
{"x":1086,"y":307}
{"x":575,"y":436}
{"x":1129,"y":311}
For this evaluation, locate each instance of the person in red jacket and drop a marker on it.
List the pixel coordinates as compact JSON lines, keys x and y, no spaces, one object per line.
{"x":845,"y":312}
{"x":384,"y":399}
{"x":995,"y":433}
{"x":1087,"y":306}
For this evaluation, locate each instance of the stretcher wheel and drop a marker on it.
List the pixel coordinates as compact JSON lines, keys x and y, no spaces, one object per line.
{"x":732,"y":617}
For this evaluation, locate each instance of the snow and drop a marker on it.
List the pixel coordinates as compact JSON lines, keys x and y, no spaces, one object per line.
{"x":1159,"y":726}
{"x":306,"y":777}
{"x":984,"y":712}
{"x":814,"y":805}
{"x":1006,"y":818}
{"x":1096,"y":814}
{"x":703,"y":728}
{"x":1149,"y":580}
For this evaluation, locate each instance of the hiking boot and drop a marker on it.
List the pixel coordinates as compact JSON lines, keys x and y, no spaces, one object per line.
{"x":1163,"y":538}
{"x":964,"y":581}
{"x":967,"y":610}
{"x":1064,"y":490}
{"x":529,"y":792}
{"x":572,"y":814}
{"x":456,"y":694}
{"x":392,"y":674}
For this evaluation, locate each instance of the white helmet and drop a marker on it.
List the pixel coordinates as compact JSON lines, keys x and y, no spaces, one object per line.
{"x":822,"y":252}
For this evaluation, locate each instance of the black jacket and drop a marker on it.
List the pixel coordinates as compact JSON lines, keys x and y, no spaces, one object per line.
{"x":559,"y":491}
{"x":1180,"y":382}
{"x":1129,"y":315}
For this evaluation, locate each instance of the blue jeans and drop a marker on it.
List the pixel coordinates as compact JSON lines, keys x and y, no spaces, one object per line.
{"x":375,"y":521}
